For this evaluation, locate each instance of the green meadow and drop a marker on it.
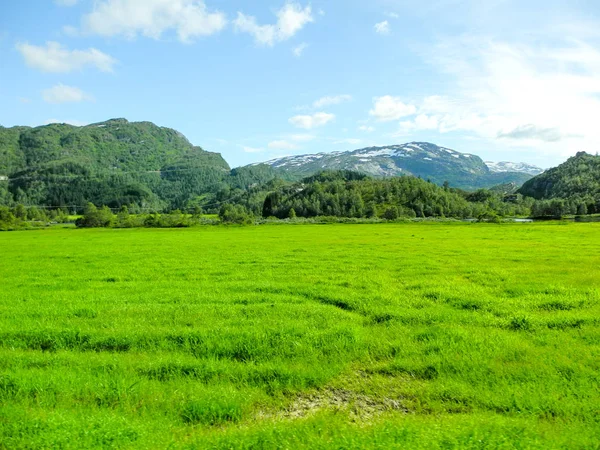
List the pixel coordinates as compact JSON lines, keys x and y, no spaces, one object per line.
{"x":427,"y":335}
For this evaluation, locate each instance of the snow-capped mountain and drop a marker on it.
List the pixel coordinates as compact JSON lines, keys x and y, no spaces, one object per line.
{"x":506,"y":166}
{"x":429,"y":161}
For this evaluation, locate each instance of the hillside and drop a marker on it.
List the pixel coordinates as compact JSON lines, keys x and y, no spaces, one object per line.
{"x":421,"y":159}
{"x":116,"y":145}
{"x":578,"y":177}
{"x":114,"y":162}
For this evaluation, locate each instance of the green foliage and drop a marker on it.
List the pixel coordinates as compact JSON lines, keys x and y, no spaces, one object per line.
{"x":8,"y":221}
{"x":430,"y":335}
{"x":96,"y":218}
{"x":575,"y":183}
{"x":235,"y":214}
{"x":348,"y":194}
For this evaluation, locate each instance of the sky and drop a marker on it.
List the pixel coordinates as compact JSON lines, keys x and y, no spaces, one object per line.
{"x":503,"y":79}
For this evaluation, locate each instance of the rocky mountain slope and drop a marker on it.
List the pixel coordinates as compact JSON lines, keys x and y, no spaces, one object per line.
{"x":422,"y":159}
{"x":506,"y":166}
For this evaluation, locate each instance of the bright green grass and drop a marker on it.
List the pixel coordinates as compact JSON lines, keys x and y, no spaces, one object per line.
{"x":336,"y":336}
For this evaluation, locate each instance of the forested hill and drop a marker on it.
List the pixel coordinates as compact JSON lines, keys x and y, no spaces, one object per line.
{"x":112,"y":163}
{"x":578,"y":177}
{"x":115,"y":145}
{"x":351,"y":194}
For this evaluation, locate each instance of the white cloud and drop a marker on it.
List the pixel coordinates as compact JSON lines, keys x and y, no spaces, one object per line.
{"x":290,"y":20}
{"x":389,"y":108}
{"x":393,"y":15}
{"x":151,"y":18}
{"x":366,"y":128}
{"x":382,"y":27}
{"x":57,"y":59}
{"x":65,"y":94}
{"x":75,"y":123}
{"x":523,"y":95}
{"x":311,"y":121}
{"x":350,"y":141}
{"x":282,"y":145}
{"x":297,"y":51}
{"x":66,"y":2}
{"x":252,"y":149}
{"x":421,"y":122}
{"x":331,"y":100}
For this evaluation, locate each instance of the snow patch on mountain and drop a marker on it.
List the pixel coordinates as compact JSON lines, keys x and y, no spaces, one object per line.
{"x":507,"y":166}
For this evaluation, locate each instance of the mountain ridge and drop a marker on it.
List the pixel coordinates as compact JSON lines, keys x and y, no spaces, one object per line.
{"x":421,"y":159}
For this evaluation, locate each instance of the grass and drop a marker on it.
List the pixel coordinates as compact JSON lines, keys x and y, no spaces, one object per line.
{"x":322,"y":336}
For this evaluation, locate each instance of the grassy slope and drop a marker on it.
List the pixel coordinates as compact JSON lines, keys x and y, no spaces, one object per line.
{"x":418,"y":336}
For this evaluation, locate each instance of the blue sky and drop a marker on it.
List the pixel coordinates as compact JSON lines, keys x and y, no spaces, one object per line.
{"x":506,"y":80}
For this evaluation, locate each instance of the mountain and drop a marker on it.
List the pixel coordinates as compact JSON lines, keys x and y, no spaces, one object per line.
{"x":115,"y":145}
{"x":577,"y":178}
{"x":114,"y":162}
{"x":505,"y":166}
{"x":421,"y":159}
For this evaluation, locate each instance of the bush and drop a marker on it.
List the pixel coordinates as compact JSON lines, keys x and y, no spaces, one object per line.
{"x":235,"y":214}
{"x":96,"y":218}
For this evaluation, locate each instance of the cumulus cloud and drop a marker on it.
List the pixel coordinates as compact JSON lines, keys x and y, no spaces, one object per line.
{"x":65,"y":94}
{"x":389,"y":108}
{"x":290,"y":20}
{"x":311,"y":121}
{"x":331,"y":100}
{"x":282,"y":145}
{"x":151,"y":18}
{"x":55,"y":58}
{"x":297,"y":51}
{"x":366,"y":128}
{"x":421,"y":122}
{"x":382,"y":27}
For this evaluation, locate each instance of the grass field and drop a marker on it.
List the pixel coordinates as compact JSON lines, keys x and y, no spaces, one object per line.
{"x":322,"y":336}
